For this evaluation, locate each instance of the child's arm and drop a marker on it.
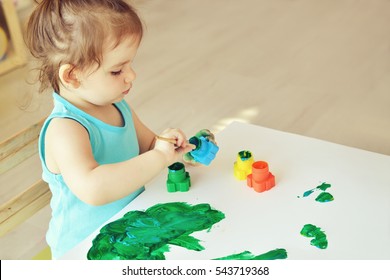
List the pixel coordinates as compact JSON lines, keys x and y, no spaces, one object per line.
{"x":146,"y":137}
{"x":68,"y":151}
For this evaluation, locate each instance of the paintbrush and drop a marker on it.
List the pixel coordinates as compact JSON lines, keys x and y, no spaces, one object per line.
{"x":170,"y":140}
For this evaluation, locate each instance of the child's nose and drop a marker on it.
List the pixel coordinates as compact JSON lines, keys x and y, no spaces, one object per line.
{"x":130,"y":75}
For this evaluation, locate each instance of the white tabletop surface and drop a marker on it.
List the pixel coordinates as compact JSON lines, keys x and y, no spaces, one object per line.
{"x":356,"y":223}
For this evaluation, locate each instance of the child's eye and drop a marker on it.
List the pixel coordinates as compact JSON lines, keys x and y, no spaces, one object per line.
{"x":116,"y":73}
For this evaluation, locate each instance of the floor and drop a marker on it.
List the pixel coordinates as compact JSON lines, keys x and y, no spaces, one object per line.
{"x":315,"y":68}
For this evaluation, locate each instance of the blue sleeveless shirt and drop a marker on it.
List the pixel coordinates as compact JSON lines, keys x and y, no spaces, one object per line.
{"x":73,"y":220}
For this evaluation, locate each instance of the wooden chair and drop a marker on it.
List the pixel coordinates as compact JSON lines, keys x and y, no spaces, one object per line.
{"x":33,"y":198}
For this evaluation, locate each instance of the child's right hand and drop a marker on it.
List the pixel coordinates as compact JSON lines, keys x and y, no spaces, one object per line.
{"x":173,"y":152}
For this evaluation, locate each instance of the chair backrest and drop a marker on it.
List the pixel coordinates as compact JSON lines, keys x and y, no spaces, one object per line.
{"x":22,"y":206}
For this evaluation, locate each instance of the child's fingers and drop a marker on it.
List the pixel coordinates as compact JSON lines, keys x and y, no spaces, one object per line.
{"x":184,"y":150}
{"x":182,"y":143}
{"x":192,"y":146}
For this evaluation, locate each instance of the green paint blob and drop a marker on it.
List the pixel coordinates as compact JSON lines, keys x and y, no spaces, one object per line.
{"x":319,"y":237}
{"x":276,"y":254}
{"x":146,"y":235}
{"x":324,"y":197}
{"x":323,"y":186}
{"x":307,"y":193}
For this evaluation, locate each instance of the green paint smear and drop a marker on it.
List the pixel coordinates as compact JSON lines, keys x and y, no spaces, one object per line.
{"x":322,"y":197}
{"x":146,"y":235}
{"x":276,"y":254}
{"x":323,"y":186}
{"x":319,"y":237}
{"x":307,"y":193}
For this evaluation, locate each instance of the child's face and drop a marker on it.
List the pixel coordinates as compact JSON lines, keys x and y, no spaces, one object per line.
{"x":112,"y":81}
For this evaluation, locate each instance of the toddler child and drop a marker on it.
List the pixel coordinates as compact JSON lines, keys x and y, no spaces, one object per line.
{"x":96,"y":153}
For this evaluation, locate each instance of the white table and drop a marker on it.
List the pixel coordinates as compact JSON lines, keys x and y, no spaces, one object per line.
{"x":357,"y":222}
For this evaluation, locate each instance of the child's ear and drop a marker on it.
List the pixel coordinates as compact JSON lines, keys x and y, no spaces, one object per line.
{"x":68,"y":76}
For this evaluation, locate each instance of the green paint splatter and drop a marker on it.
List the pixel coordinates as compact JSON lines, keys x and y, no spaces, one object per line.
{"x":146,"y":235}
{"x":307,"y":193}
{"x":323,"y":196}
{"x":323,"y":186}
{"x":319,"y":237}
{"x":276,"y":254}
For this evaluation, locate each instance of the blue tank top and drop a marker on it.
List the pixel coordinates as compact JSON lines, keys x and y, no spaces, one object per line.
{"x":73,"y":220}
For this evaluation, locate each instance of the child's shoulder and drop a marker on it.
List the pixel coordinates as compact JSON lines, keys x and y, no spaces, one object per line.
{"x":65,"y":126}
